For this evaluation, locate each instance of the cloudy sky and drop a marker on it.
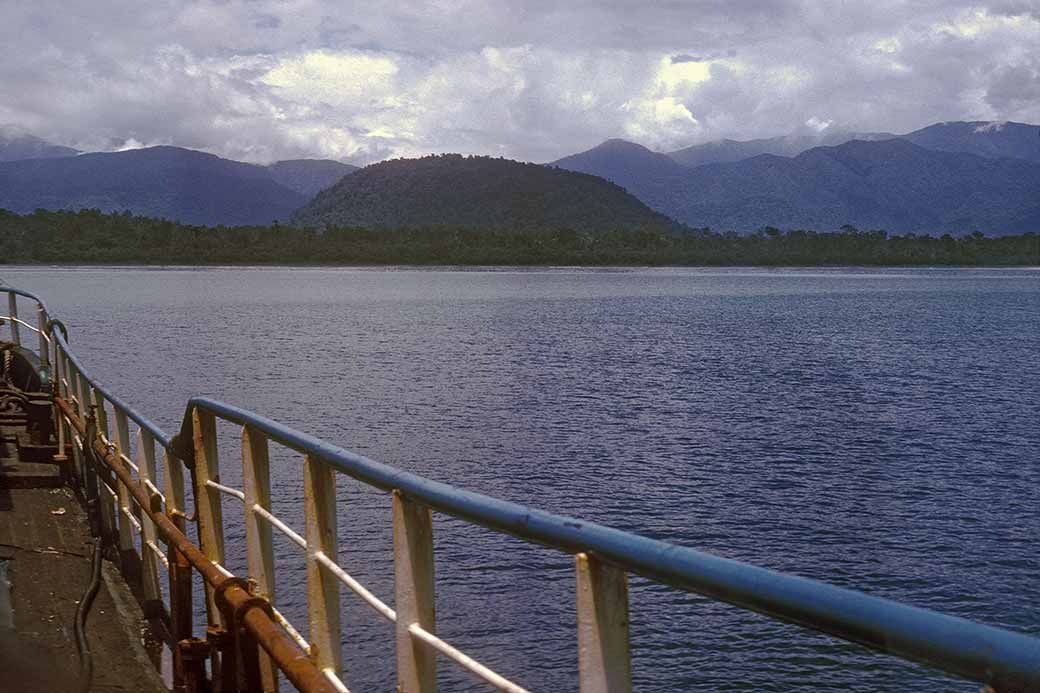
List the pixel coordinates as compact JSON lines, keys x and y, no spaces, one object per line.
{"x":534,"y":80}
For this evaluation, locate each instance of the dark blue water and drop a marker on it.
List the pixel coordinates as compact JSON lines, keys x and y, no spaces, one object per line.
{"x":873,"y":429}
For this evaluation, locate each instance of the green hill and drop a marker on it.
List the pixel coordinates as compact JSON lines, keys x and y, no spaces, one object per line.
{"x":476,"y":192}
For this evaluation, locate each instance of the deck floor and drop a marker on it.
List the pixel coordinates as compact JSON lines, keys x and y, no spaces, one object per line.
{"x":46,"y":544}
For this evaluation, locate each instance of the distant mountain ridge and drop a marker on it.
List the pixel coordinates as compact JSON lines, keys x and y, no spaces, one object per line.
{"x":16,"y":144}
{"x":952,"y":177}
{"x":724,"y":151}
{"x":892,"y":185}
{"x":648,"y":175}
{"x":992,"y":139}
{"x":309,"y":176}
{"x":867,"y":183}
{"x":166,"y":182}
{"x":886,"y":184}
{"x":477,"y":192}
{"x":179,"y":184}
{"x":988,"y":139}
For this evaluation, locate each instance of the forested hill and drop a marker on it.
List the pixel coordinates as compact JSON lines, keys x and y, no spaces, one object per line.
{"x":477,"y":192}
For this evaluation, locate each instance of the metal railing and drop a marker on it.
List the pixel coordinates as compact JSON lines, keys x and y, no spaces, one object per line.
{"x":604,"y":557}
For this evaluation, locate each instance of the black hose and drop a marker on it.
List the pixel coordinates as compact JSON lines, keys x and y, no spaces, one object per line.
{"x":86,"y":662}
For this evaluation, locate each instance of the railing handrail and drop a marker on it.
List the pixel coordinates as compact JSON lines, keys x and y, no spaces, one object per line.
{"x":998,"y":657}
{"x":955,"y":645}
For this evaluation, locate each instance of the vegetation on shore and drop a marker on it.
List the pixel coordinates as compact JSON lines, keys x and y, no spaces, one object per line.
{"x":93,"y":237}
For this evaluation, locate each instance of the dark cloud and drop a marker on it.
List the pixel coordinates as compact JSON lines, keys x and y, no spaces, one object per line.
{"x":1012,"y":87}
{"x":265,"y":79}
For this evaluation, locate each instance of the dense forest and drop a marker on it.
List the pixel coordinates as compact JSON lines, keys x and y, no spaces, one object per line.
{"x":93,"y":237}
{"x":476,"y":192}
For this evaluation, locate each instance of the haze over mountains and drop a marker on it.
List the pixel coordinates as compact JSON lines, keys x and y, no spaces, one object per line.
{"x":956,"y":177}
{"x":1016,"y":140}
{"x":17,"y":144}
{"x":725,"y":151}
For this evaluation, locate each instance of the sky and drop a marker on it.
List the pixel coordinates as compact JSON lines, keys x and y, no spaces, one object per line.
{"x":262,"y":80}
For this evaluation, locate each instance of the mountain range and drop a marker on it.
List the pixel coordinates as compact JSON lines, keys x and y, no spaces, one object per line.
{"x":990,"y":139}
{"x":167,"y":182}
{"x":955,"y":177}
{"x":725,"y":151}
{"x":893,"y":185}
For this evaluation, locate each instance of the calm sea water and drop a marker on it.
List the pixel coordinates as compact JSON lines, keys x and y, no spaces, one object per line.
{"x":872,"y":429}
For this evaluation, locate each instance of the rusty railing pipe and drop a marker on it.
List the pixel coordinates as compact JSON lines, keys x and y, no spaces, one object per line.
{"x":255,"y":616}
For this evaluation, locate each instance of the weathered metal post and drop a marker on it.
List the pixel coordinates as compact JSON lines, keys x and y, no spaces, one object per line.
{"x":604,"y":661}
{"x":60,"y":389}
{"x":414,"y":594}
{"x":211,"y":526}
{"x":149,"y":535}
{"x":192,"y":654}
{"x":12,"y":312}
{"x":78,"y":461}
{"x":207,"y":499}
{"x":127,"y":553}
{"x":90,"y":477}
{"x":185,"y":670}
{"x":84,"y":404}
{"x":323,"y":613}
{"x":248,"y":651}
{"x":45,"y":344}
{"x":107,"y":498}
{"x":256,"y":486}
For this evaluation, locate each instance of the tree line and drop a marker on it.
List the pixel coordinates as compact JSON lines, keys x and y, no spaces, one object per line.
{"x":94,"y":237}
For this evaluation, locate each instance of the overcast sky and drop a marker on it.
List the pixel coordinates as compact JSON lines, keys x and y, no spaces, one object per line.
{"x":535,"y":80}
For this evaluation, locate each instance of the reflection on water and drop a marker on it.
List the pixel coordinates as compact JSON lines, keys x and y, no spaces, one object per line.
{"x":874,"y":429}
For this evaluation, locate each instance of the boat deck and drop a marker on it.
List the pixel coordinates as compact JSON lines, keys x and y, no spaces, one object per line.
{"x":45,"y":567}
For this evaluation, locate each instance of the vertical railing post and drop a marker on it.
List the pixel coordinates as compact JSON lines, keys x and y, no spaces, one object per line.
{"x":184,"y":668}
{"x":72,"y":390}
{"x":207,"y":499}
{"x":83,"y":394}
{"x":45,"y":345}
{"x":126,"y":505}
{"x":12,"y":310}
{"x":604,"y":663}
{"x":323,"y":613}
{"x":414,"y":594}
{"x":60,"y":388}
{"x":78,"y":461}
{"x":256,"y":485}
{"x":149,"y":534}
{"x":107,"y":497}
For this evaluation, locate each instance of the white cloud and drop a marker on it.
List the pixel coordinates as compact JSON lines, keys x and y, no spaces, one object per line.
{"x":266,"y":79}
{"x":818,"y":125}
{"x":344,"y":80}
